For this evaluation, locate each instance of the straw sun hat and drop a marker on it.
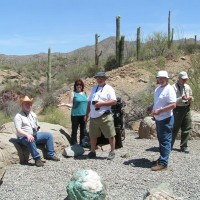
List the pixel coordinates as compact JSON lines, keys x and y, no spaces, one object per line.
{"x":26,"y":99}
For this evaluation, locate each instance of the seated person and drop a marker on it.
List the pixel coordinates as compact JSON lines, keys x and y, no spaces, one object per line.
{"x":28,"y":133}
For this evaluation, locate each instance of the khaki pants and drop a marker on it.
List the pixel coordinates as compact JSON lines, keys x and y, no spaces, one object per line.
{"x":103,"y":124}
{"x":182,"y":120}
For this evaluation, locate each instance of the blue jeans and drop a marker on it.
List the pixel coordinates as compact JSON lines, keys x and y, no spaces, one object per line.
{"x":164,"y":134}
{"x":40,"y":138}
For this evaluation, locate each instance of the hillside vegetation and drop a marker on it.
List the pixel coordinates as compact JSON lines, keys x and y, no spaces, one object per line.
{"x":134,"y":82}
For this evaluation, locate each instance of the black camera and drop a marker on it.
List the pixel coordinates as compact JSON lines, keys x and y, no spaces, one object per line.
{"x":35,"y":130}
{"x":184,"y":102}
{"x":93,"y":103}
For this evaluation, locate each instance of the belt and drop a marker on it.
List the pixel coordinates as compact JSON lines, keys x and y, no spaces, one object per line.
{"x":107,"y":112}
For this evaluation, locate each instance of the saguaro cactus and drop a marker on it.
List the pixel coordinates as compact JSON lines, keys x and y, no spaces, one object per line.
{"x":118,"y":41}
{"x":169,"y":29}
{"x":97,"y":54}
{"x":49,"y":71}
{"x":170,"y":34}
{"x":121,"y":57}
{"x":138,"y":43}
{"x":195,"y":41}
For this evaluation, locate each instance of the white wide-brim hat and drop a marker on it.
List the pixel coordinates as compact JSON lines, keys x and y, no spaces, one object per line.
{"x":162,"y":74}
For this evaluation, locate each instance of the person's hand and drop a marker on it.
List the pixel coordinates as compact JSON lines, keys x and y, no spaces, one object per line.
{"x":68,"y":105}
{"x":30,"y":138}
{"x":98,"y":104}
{"x":86,"y":118}
{"x":156,"y":112}
{"x":187,"y":98}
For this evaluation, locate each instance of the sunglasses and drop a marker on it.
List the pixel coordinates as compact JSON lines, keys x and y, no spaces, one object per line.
{"x":100,"y":77}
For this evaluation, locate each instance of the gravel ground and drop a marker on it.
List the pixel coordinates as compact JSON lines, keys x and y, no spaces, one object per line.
{"x":126,"y":178}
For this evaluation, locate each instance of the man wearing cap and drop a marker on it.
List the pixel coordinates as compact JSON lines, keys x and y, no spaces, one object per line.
{"x":162,"y":110}
{"x":28,"y":134}
{"x":101,"y":98}
{"x":182,"y":115}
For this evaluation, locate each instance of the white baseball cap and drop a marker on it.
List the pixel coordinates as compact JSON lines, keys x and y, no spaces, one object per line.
{"x":162,"y":74}
{"x":183,"y":75}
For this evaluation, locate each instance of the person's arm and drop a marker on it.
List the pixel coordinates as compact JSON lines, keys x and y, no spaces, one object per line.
{"x":164,"y":109}
{"x":189,"y":97}
{"x":87,"y":111}
{"x":70,"y":104}
{"x":18,"y":126}
{"x":23,"y":133}
{"x":111,"y":101}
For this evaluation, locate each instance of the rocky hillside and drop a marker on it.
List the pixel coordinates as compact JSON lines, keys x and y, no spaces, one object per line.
{"x":131,"y":82}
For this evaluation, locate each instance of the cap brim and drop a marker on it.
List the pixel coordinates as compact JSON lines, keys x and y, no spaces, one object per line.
{"x":161,"y":76}
{"x":101,"y":77}
{"x":184,"y":77}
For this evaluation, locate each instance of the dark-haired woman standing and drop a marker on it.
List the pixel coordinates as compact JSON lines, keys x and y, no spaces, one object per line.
{"x":78,"y":102}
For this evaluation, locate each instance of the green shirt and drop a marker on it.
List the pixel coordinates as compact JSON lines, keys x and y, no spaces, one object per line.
{"x":80,"y":102}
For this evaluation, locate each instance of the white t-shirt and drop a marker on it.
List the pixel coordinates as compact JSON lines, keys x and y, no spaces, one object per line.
{"x":26,"y":122}
{"x":163,"y":96}
{"x":102,"y":94}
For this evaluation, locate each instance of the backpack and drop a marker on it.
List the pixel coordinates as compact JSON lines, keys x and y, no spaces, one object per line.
{"x":119,"y":123}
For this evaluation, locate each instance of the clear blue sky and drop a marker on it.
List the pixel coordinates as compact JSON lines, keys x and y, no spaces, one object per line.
{"x":33,"y":26}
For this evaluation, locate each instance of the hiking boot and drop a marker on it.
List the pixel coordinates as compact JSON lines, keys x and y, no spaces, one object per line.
{"x":92,"y":154}
{"x":185,"y":149}
{"x":156,"y":162}
{"x":158,"y":168}
{"x":38,"y":162}
{"x":54,"y":158}
{"x":111,"y":155}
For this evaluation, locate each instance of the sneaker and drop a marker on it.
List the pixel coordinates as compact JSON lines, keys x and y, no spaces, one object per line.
{"x":158,"y":168}
{"x":38,"y":162}
{"x":92,"y":154}
{"x":111,"y":155}
{"x":185,"y":149}
{"x":54,"y":158}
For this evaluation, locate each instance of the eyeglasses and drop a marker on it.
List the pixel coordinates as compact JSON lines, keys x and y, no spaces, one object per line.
{"x":78,"y":85}
{"x":100,"y":77}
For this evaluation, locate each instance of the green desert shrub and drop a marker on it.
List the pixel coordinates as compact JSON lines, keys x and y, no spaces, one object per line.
{"x":194,"y":81}
{"x":49,"y":101}
{"x":190,"y":48}
{"x":161,"y":60}
{"x":4,"y":118}
{"x":110,"y":63}
{"x":54,"y":116}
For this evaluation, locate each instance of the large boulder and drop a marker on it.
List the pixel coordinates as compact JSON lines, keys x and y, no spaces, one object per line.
{"x":147,"y":127}
{"x":11,"y":152}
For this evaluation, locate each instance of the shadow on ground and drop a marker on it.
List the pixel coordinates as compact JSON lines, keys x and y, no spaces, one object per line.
{"x":153,"y":149}
{"x":141,"y":162}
